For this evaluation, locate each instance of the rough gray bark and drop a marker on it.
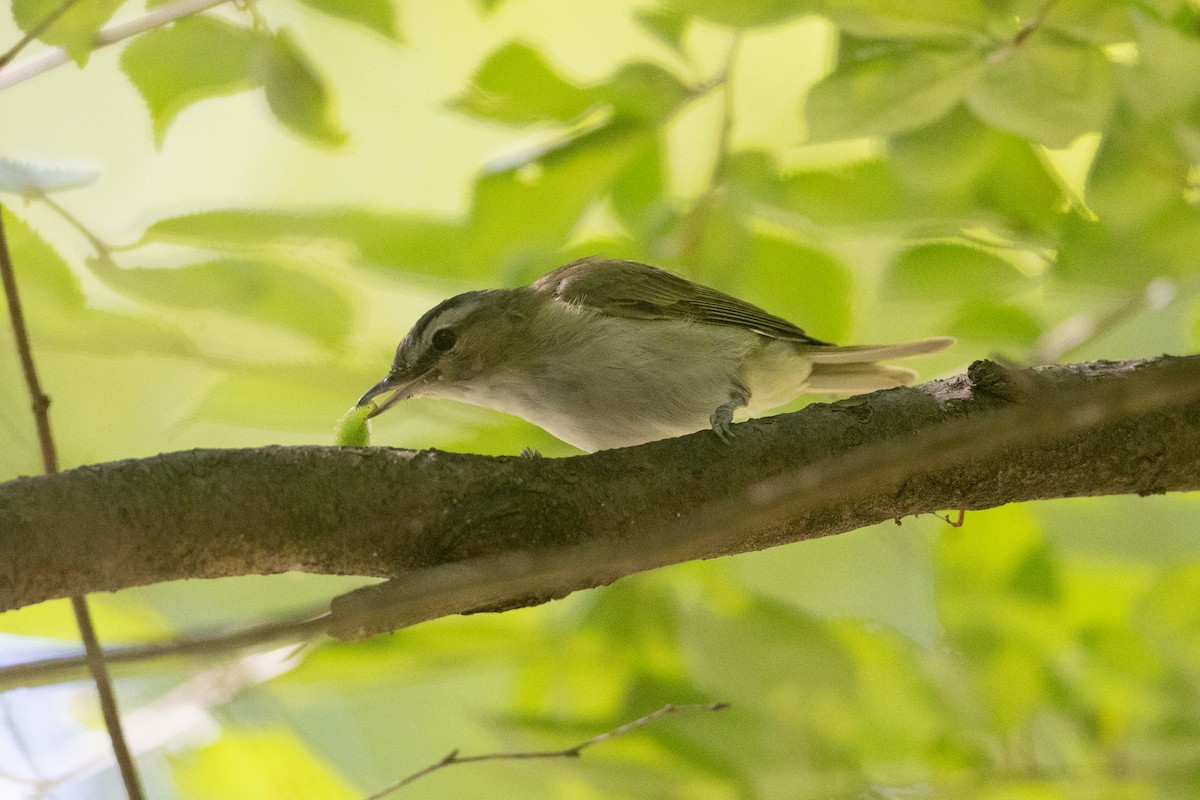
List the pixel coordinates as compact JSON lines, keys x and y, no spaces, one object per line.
{"x":466,"y":532}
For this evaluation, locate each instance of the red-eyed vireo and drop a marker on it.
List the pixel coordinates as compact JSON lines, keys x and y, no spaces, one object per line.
{"x":605,"y":353}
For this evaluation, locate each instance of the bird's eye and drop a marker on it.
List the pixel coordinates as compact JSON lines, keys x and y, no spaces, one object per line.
{"x":444,"y":340}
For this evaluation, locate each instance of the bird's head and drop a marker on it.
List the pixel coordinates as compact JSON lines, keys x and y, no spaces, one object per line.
{"x":453,"y":345}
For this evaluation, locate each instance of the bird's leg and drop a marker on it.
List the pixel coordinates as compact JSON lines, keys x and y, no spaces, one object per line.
{"x":722,"y":418}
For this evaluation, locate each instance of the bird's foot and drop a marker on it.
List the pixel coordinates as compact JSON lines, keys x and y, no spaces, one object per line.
{"x":529,"y":452}
{"x":722,"y":418}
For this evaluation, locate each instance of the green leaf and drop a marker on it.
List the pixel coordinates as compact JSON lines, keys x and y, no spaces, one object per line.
{"x":949,"y":273}
{"x":1139,"y":172}
{"x":668,"y":25}
{"x":809,"y":287}
{"x":865,"y":191}
{"x":74,"y":31}
{"x":963,"y":168}
{"x":637,"y":193}
{"x":1166,"y":79}
{"x":1094,"y":252}
{"x":516,"y":86}
{"x":741,"y":14}
{"x":995,"y":322}
{"x":34,"y":180}
{"x":377,"y":15}
{"x":58,"y":316}
{"x":122,"y":617}
{"x":296,"y":92}
{"x":890,"y":93}
{"x":270,"y":762}
{"x":194,"y":59}
{"x":1048,"y":89}
{"x":759,"y":656}
{"x":392,"y":241}
{"x":521,"y":216}
{"x":271,"y":294}
{"x":903,"y":19}
{"x":645,"y":92}
{"x":1100,"y":22}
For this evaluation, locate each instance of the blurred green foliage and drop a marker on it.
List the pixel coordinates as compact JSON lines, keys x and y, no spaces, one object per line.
{"x":1022,"y":174}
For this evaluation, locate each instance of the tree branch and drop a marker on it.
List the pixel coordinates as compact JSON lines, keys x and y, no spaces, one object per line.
{"x":469,"y":533}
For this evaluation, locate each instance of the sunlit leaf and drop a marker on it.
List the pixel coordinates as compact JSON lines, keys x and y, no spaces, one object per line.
{"x":376,"y":15}
{"x":270,"y":762}
{"x":297,"y":93}
{"x":272,"y":294}
{"x":194,"y":59}
{"x":118,"y":618}
{"x":890,"y":93}
{"x":1047,"y":89}
{"x":34,"y":180}
{"x":516,"y":86}
{"x":74,"y":30}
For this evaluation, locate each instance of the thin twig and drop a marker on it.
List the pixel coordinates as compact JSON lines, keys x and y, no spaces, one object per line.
{"x":35,"y":32}
{"x":452,"y":758}
{"x":111,"y":35}
{"x":87,"y":632}
{"x":1024,"y":33}
{"x":301,"y":628}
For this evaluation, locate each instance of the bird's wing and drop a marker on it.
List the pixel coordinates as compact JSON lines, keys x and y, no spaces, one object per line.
{"x":630,"y":289}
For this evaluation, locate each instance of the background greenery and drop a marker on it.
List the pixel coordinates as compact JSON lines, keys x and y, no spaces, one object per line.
{"x":223,"y":226}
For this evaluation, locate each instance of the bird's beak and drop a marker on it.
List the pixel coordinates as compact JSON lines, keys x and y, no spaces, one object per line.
{"x":401,"y":384}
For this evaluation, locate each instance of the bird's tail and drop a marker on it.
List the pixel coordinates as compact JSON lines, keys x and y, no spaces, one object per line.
{"x":854,"y":369}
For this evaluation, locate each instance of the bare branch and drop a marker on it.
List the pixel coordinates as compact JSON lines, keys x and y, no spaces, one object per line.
{"x":452,"y":758}
{"x":83,"y":617}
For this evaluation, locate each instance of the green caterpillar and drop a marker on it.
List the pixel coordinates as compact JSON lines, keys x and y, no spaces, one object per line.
{"x":354,"y":430}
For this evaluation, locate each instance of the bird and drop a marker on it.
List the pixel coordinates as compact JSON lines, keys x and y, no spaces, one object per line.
{"x":606,"y":353}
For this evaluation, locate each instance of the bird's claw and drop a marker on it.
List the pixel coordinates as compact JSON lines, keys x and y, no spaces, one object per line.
{"x":529,"y":452}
